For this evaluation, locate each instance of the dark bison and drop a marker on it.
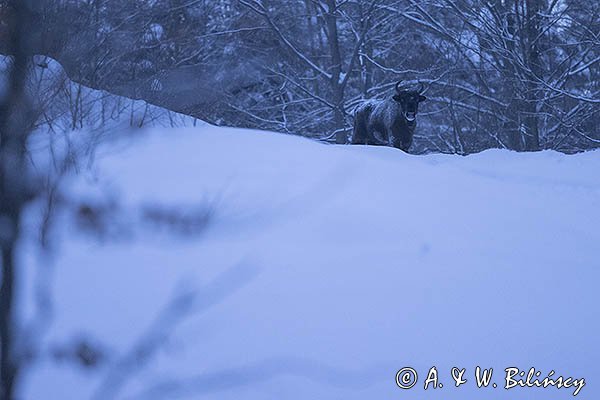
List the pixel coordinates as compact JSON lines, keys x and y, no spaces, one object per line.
{"x":388,"y":122}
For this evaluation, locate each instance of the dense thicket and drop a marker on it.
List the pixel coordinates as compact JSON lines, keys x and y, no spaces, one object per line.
{"x":519,"y":74}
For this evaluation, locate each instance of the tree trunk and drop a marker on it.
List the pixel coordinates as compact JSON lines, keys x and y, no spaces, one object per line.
{"x":337,"y":91}
{"x":532,"y":57}
{"x":366,"y":68}
{"x":15,"y":124}
{"x":8,"y":364}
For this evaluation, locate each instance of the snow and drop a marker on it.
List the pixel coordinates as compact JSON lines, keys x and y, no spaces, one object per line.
{"x":346,"y":263}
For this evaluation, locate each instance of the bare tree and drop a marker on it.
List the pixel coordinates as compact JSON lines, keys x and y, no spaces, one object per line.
{"x":322,"y":27}
{"x":511,"y":74}
{"x":15,"y":190}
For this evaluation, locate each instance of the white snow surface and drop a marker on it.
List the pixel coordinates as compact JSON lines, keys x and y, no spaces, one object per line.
{"x":325,"y":269}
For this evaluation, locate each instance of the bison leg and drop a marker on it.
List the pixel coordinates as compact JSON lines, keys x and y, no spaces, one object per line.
{"x":374,"y":137}
{"x":359,"y":133}
{"x":402,"y":143}
{"x":357,"y":136}
{"x":365,"y":134}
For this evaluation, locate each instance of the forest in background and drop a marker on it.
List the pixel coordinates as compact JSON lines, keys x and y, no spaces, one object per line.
{"x":520,"y":74}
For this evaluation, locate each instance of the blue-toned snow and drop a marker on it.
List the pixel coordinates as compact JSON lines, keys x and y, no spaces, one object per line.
{"x":349,"y":263}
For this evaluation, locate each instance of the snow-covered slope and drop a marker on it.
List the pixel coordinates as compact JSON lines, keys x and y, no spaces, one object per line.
{"x":325,"y":269}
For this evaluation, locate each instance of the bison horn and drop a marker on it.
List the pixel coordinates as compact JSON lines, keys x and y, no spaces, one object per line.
{"x":421,"y":87}
{"x":398,"y":86}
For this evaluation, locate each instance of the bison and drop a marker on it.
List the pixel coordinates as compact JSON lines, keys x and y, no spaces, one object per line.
{"x":390,"y":121}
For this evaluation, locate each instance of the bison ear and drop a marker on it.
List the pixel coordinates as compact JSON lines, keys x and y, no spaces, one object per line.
{"x":397,"y":98}
{"x":422,"y":98}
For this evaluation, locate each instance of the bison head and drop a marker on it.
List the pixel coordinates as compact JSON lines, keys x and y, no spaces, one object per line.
{"x":409,"y":101}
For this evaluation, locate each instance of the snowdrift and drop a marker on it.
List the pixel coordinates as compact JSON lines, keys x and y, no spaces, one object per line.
{"x":319,"y":271}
